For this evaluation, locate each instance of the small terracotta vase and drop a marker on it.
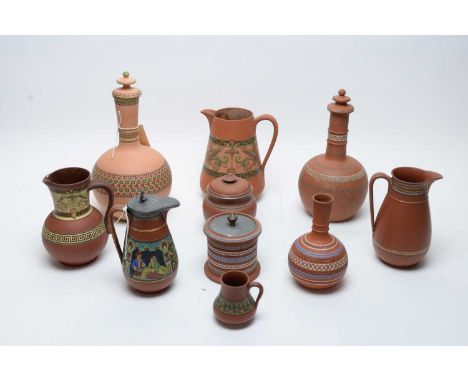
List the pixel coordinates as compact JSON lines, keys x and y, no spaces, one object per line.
{"x":149,"y":257}
{"x":232,"y":245}
{"x":132,"y":166}
{"x":317,"y":259}
{"x":402,"y":230}
{"x":335,"y":172}
{"x":229,"y":193}
{"x":74,"y":232}
{"x":234,"y":304}
{"x":232,"y":147}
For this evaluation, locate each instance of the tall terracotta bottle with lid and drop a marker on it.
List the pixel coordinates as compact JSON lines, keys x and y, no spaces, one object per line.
{"x":334,"y":172}
{"x":132,"y":166}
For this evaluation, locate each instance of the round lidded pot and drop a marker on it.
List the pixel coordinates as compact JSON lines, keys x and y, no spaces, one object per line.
{"x":232,"y":245}
{"x":229,"y":193}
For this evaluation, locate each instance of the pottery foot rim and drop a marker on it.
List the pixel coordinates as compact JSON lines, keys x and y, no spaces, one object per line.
{"x":217,"y":278}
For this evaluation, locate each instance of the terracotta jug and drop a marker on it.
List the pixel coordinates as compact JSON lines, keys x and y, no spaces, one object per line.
{"x":74,"y":232}
{"x":229,"y":193}
{"x":232,"y":146}
{"x":317,"y":259}
{"x":149,"y":257}
{"x":335,"y":172}
{"x":234,"y":304}
{"x":132,"y":166}
{"x":402,"y":230}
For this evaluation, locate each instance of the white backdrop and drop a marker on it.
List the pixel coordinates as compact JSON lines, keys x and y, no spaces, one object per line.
{"x":411,"y":109}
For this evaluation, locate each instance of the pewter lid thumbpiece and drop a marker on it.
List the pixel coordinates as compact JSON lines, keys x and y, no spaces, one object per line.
{"x":149,"y":205}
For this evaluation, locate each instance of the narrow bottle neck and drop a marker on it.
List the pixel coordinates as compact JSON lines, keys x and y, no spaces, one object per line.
{"x":127,"y":112}
{"x":337,"y":136}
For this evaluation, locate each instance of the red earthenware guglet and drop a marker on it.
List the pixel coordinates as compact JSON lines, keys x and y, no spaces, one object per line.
{"x":402,"y":229}
{"x":132,"y":166}
{"x":229,"y":193}
{"x":232,"y":146}
{"x":335,"y":172}
{"x":317,"y":259}
{"x":232,"y":245}
{"x":149,"y":257}
{"x":234,"y":304}
{"x":74,"y":232}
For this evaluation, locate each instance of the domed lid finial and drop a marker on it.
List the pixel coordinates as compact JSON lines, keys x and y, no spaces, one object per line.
{"x":126,"y":92}
{"x":341,"y":105}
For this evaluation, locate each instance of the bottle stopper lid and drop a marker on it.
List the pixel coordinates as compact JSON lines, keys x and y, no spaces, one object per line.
{"x":126,"y":92}
{"x":341,"y":106}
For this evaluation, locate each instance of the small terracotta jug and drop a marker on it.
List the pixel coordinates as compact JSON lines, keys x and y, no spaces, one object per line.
{"x":334,"y":172}
{"x":402,"y":230}
{"x":317,"y":259}
{"x":133,"y":165}
{"x":149,"y":257}
{"x":74,"y":232}
{"x":229,"y":193}
{"x":232,"y":146}
{"x":234,"y":304}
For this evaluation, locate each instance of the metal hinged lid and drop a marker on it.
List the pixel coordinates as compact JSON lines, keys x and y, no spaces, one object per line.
{"x":232,"y":228}
{"x":149,"y":205}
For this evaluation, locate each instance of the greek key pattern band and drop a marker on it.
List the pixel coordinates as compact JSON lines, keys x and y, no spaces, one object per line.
{"x":335,"y":178}
{"x":338,"y":138}
{"x":71,"y":239}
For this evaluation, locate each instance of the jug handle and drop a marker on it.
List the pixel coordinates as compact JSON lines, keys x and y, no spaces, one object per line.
{"x":110,"y":194}
{"x":268,"y":117}
{"x":111,"y":227}
{"x":379,"y":175}
{"x":255,"y":284}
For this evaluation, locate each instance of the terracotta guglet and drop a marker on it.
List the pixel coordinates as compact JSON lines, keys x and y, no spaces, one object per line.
{"x":234,"y":305}
{"x":232,"y":245}
{"x":149,"y":257}
{"x":402,"y":229}
{"x":318,"y":260}
{"x":132,"y":166}
{"x":74,"y":232}
{"x":229,"y":193}
{"x":335,"y":172}
{"x":232,"y":147}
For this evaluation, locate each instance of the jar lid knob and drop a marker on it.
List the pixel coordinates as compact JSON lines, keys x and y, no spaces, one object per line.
{"x":230,"y":178}
{"x":232,"y":218}
{"x":142,"y":197}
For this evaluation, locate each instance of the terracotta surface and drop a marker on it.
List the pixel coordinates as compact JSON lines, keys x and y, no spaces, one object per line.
{"x":317,"y":259}
{"x":149,"y":259}
{"x":74,"y":232}
{"x":229,"y":193}
{"x":232,"y":245}
{"x":335,"y":172}
{"x":232,"y":146}
{"x":402,"y":228}
{"x":132,"y":166}
{"x":234,"y":304}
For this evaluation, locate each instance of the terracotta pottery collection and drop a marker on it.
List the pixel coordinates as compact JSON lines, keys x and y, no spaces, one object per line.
{"x":149,"y":257}
{"x":335,"y":172}
{"x":232,"y":245}
{"x":229,"y":193}
{"x":132,"y":182}
{"x":317,"y":259}
{"x":232,"y":147}
{"x":234,"y":304}
{"x":402,"y":229}
{"x":132,"y":166}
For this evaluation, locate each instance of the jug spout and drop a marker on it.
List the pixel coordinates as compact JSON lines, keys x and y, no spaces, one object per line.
{"x":209,"y":114}
{"x":432,"y":176}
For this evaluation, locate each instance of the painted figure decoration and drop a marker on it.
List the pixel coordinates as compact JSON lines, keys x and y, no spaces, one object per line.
{"x":232,"y":147}
{"x":149,"y":258}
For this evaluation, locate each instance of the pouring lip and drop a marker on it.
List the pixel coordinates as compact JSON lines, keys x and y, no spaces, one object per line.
{"x":401,"y":174}
{"x":218,"y":113}
{"x":62,"y":178}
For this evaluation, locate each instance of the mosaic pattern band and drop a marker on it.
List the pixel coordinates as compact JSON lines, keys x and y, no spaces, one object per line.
{"x":234,"y":308}
{"x":71,"y":204}
{"x":317,"y":267}
{"x":410,"y":189}
{"x":335,"y":178}
{"x":318,"y":253}
{"x":71,"y":239}
{"x":127,"y":186}
{"x":237,"y":157}
{"x":232,"y":260}
{"x":316,"y":277}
